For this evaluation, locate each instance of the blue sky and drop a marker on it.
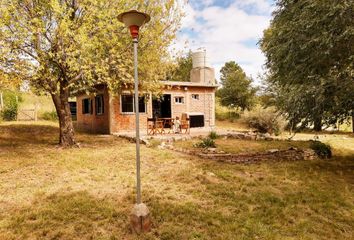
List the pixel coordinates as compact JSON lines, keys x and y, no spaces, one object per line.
{"x":228,"y":29}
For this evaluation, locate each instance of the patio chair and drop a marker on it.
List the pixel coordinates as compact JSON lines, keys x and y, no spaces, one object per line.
{"x":185,"y":124}
{"x":159,"y":127}
{"x":150,"y":126}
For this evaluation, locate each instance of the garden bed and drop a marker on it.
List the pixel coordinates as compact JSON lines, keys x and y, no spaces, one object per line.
{"x":247,"y":151}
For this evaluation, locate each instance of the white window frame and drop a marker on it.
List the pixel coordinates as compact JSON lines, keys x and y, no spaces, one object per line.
{"x":130,"y":113}
{"x":179,"y":97}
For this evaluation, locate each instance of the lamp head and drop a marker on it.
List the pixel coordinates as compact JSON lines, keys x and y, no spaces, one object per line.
{"x":133,"y":20}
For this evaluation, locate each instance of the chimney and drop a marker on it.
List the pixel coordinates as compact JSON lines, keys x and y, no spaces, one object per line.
{"x":202,"y":72}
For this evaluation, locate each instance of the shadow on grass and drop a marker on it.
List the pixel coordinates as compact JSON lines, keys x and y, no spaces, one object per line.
{"x":17,"y":135}
{"x":76,"y":215}
{"x":20,"y":135}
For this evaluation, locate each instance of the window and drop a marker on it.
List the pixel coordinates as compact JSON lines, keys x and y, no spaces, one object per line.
{"x":99,"y":104}
{"x":87,"y":106}
{"x":127,"y":103}
{"x":195,"y":96}
{"x":142,"y":104}
{"x":179,"y":100}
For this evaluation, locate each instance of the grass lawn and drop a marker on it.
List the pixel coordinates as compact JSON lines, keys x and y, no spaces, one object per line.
{"x":87,"y":193}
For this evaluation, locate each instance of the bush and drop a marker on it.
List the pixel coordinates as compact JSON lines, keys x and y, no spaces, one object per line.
{"x":213,"y":135}
{"x":224,"y":113}
{"x":206,"y":143}
{"x":50,"y":116}
{"x":9,"y":113}
{"x":321,"y":149}
{"x":11,"y":101}
{"x":265,"y":120}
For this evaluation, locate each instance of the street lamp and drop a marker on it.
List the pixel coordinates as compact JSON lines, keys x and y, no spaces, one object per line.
{"x":140,"y":217}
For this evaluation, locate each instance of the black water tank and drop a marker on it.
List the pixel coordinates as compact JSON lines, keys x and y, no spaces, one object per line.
{"x":196,"y":121}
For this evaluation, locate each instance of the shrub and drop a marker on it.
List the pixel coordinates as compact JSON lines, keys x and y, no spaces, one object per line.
{"x":9,"y":113}
{"x":11,"y":101}
{"x":321,"y":149}
{"x":224,"y":113}
{"x":206,"y":143}
{"x":49,"y":116}
{"x":153,"y":143}
{"x":213,"y":135}
{"x":265,"y":120}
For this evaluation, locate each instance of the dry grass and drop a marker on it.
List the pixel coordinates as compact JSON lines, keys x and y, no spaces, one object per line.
{"x":227,"y":125}
{"x":245,"y":146}
{"x":87,"y":193}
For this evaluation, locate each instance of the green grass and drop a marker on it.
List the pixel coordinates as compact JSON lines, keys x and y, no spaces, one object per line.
{"x":88,"y":192}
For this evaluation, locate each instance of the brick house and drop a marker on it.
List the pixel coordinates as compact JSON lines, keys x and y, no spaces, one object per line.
{"x":110,"y":113}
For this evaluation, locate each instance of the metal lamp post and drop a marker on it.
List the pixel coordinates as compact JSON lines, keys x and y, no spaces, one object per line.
{"x":140,"y":217}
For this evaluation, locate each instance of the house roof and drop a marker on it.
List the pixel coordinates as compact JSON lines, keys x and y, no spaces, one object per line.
{"x":189,"y":84}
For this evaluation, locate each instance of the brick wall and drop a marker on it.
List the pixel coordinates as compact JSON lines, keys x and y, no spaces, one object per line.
{"x":92,"y":122}
{"x":121,"y":122}
{"x":114,"y":121}
{"x":205,"y":104}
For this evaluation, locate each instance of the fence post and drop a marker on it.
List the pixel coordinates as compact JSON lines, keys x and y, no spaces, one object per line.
{"x":17,"y":108}
{"x":35,"y":112}
{"x":1,"y":101}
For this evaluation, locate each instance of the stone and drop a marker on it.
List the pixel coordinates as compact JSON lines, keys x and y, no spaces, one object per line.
{"x":140,"y":219}
{"x":273,"y":150}
{"x":250,"y":137}
{"x":211,"y":150}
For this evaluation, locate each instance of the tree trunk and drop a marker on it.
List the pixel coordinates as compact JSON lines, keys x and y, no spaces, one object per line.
{"x":353,"y":121}
{"x":61,"y":102}
{"x":318,"y":124}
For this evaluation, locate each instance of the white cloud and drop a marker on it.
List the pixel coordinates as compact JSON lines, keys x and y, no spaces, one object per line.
{"x":259,"y":6}
{"x":228,"y":34}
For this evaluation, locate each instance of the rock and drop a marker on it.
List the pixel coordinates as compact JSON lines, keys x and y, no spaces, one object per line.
{"x":162,"y":145}
{"x":213,"y":150}
{"x":309,"y":154}
{"x":140,"y":219}
{"x":273,"y":150}
{"x":211,"y":174}
{"x":208,"y":178}
{"x":250,"y":137}
{"x":260,"y":137}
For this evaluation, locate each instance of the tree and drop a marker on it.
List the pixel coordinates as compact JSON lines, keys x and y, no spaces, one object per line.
{"x":236,"y":90}
{"x":182,"y":69}
{"x":62,"y":46}
{"x":310,"y":60}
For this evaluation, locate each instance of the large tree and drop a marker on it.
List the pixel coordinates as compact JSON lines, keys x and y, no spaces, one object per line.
{"x":236,"y":90}
{"x":67,"y":45}
{"x":182,"y":68}
{"x":310,"y":59}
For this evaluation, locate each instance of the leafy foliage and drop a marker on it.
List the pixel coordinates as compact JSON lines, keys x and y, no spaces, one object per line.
{"x":236,"y":91}
{"x":310,"y":58}
{"x":322,"y":150}
{"x":49,"y":116}
{"x":62,"y":47}
{"x":225,"y":113}
{"x":11,"y":102}
{"x":265,"y":120}
{"x":181,"y":72}
{"x":206,"y":143}
{"x":213,"y":135}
